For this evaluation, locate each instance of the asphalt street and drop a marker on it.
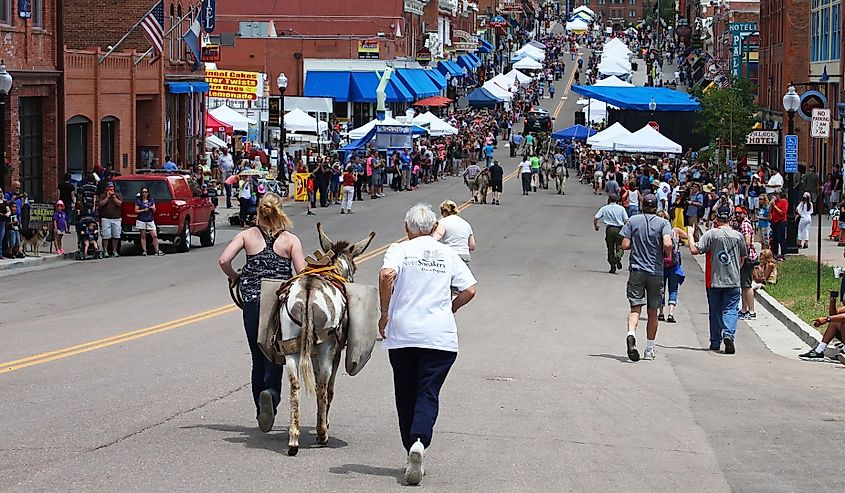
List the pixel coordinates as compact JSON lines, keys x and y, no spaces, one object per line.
{"x":132,"y":374}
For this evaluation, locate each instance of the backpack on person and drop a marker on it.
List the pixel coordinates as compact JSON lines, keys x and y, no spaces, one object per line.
{"x":674,"y":259}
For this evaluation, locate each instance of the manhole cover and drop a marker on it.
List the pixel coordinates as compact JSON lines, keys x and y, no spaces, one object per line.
{"x":502,"y":379}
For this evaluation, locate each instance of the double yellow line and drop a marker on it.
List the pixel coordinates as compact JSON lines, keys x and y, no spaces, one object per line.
{"x":37,"y":359}
{"x":565,"y":92}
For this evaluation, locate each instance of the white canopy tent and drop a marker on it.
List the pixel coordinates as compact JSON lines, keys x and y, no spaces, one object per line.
{"x":604,"y":140}
{"x":519,"y":76}
{"x":498,"y":91}
{"x":363,"y":130}
{"x":537,"y":44}
{"x":585,"y":9}
{"x":613,"y":81}
{"x":647,"y":139}
{"x":528,"y":63}
{"x":616,"y":44}
{"x":533,"y":51}
{"x":214,"y":142}
{"x":615,"y":67}
{"x":596,"y":111}
{"x":238,"y":122}
{"x":576,"y":25}
{"x":297,"y":120}
{"x":505,"y":82}
{"x":436,"y":126}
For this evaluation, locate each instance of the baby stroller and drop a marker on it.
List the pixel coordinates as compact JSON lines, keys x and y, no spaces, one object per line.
{"x":81,"y":229}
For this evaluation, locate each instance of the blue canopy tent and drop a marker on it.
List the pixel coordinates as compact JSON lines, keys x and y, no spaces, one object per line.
{"x":418,"y":82}
{"x":638,"y":98}
{"x":482,"y":98}
{"x":575,"y":132}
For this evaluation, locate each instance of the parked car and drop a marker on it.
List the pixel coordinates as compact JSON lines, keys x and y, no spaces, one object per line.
{"x":183,"y":209}
{"x":538,"y":120}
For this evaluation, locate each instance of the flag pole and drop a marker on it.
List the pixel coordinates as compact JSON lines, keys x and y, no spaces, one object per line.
{"x":175,"y":25}
{"x":114,"y":47}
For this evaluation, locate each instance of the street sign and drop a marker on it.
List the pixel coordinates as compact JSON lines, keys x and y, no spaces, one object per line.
{"x":653,"y":124}
{"x":820,"y":124}
{"x":762,"y":138}
{"x":790,"y":161}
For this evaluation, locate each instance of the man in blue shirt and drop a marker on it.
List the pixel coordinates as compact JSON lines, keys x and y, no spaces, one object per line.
{"x":169,"y":165}
{"x":516,"y":141}
{"x":405,"y":158}
{"x":488,"y":154}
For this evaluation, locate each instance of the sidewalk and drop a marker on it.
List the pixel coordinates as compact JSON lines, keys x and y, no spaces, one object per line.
{"x":640,"y":76}
{"x":46,"y":255}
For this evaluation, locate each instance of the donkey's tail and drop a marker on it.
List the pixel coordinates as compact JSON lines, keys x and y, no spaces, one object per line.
{"x":306,"y":339}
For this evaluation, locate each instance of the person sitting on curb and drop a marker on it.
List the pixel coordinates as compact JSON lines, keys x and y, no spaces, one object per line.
{"x":836,"y":329}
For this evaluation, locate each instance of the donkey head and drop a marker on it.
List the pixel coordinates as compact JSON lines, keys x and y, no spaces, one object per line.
{"x":343,"y":253}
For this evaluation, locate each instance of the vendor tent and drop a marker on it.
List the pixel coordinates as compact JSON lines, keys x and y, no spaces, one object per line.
{"x":576,"y":25}
{"x":481,"y":98}
{"x":498,"y":91}
{"x":436,"y":126}
{"x":596,"y":111}
{"x":213,"y":125}
{"x":297,"y":120}
{"x":538,"y":54}
{"x":238,"y":122}
{"x":603,"y":141}
{"x":522,"y":78}
{"x":583,"y":16}
{"x":537,"y":44}
{"x":363,"y":130}
{"x":214,"y":142}
{"x":528,"y":63}
{"x":615,"y":44}
{"x":575,"y":132}
{"x":614,"y":67}
{"x":584,"y":8}
{"x":638,"y":98}
{"x":646,"y":139}
{"x":613,"y":81}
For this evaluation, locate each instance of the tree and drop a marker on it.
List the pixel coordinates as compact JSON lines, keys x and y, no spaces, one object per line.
{"x":728,"y":114}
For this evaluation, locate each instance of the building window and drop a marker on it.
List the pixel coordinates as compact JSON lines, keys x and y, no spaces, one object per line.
{"x":825,"y":30}
{"x":632,"y":2}
{"x":170,"y":43}
{"x":31,"y":128}
{"x":824,"y":40}
{"x":180,"y":50}
{"x":814,"y":37}
{"x":835,"y":32}
{"x":6,"y":11}
{"x":108,"y":141}
{"x":77,"y":132}
{"x":37,"y":13}
{"x":633,"y":13}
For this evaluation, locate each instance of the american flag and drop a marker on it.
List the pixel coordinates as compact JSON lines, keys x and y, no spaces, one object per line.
{"x":153,"y":25}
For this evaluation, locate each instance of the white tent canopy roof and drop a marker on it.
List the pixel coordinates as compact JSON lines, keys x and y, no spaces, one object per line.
{"x":214,"y":142}
{"x":504,"y":81}
{"x":613,"y":81}
{"x":497,"y":90}
{"x":576,"y":25}
{"x":596,"y":111}
{"x":528,"y":63}
{"x":436,"y":126}
{"x":603,"y":141}
{"x":529,"y":51}
{"x":522,"y":78}
{"x":615,"y":67}
{"x":297,"y":120}
{"x":616,"y":44}
{"x":647,"y":139}
{"x":363,"y":130}
{"x":584,"y":8}
{"x":238,"y":122}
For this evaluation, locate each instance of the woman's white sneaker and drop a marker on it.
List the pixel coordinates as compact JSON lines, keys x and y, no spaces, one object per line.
{"x":416,"y":466}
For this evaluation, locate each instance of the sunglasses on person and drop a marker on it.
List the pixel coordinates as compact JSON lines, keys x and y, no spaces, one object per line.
{"x":145,"y":191}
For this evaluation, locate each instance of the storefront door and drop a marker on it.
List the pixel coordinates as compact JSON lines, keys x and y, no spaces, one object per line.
{"x":77,"y":131}
{"x":31,"y":125}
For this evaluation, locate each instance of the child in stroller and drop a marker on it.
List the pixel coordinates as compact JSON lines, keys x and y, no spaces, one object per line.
{"x":87,"y":237}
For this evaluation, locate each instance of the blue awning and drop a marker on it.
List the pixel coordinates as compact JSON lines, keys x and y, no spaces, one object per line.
{"x":450,"y":67}
{"x":364,"y":84}
{"x":638,"y":98}
{"x":421,"y":85}
{"x":466,"y":62}
{"x":475,"y":58}
{"x":438,"y":78}
{"x":186,"y":87}
{"x":327,"y":84}
{"x":485,"y":46}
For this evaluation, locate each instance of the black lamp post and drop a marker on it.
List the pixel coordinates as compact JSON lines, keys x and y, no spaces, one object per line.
{"x":281,"y":166}
{"x":5,"y":87}
{"x":791,"y":104}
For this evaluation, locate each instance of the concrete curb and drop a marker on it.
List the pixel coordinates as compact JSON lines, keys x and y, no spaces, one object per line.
{"x":27,"y":262}
{"x":803,"y":330}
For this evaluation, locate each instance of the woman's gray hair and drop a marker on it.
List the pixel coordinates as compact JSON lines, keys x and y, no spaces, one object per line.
{"x":420,"y":219}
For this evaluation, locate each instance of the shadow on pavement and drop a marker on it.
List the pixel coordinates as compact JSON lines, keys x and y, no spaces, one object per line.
{"x":685,"y":348}
{"x":617,"y":357}
{"x":276,"y":440}
{"x":369,"y":471}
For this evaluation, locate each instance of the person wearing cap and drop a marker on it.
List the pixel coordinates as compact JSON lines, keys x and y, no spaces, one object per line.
{"x":110,"y":216}
{"x":649,"y":238}
{"x":746,"y":273}
{"x":614,"y":217}
{"x":726,"y":252}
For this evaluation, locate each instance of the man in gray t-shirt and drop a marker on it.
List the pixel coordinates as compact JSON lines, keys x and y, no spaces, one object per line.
{"x":726,"y":251}
{"x":649,"y":238}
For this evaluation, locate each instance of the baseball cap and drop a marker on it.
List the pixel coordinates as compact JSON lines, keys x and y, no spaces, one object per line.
{"x":724,"y":213}
{"x":650,"y":201}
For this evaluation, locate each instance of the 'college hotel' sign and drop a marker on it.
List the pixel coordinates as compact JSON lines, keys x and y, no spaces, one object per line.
{"x":232,"y":84}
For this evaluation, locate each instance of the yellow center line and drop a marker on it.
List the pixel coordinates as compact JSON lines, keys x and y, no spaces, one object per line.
{"x":565,"y":91}
{"x":46,"y":357}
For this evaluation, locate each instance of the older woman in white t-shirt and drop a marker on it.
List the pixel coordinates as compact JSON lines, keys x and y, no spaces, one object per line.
{"x":454,"y":231}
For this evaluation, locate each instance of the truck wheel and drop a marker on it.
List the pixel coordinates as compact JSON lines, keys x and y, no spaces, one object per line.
{"x":183,"y":241}
{"x":209,"y":236}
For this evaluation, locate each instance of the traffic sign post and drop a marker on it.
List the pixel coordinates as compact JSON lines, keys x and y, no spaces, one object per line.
{"x":790,"y":153}
{"x":820,"y":123}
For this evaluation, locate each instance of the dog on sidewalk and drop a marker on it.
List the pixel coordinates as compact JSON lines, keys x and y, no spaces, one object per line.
{"x":34,"y":238}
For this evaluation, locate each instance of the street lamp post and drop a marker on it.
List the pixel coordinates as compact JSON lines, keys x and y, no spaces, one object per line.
{"x":791,"y":104}
{"x":281,"y":166}
{"x":5,"y":87}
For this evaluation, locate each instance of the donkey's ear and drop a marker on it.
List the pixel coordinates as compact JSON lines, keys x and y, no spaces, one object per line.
{"x":361,"y":246}
{"x":325,"y":242}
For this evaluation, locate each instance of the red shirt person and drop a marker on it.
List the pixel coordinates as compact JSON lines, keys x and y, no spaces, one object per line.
{"x":779,"y":212}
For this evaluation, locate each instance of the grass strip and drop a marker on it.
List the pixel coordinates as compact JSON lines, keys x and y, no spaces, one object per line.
{"x":796,"y":287}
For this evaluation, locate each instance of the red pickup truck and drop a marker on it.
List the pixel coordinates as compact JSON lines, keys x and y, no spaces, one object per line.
{"x":183,"y":208}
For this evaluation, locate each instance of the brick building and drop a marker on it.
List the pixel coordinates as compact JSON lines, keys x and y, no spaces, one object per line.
{"x":29,"y":49}
{"x":127,"y":110}
{"x":784,"y":58}
{"x":623,"y":12}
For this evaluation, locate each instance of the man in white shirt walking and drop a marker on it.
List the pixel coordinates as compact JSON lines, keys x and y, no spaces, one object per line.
{"x":418,"y":326}
{"x":614,"y":216}
{"x":227,"y":167}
